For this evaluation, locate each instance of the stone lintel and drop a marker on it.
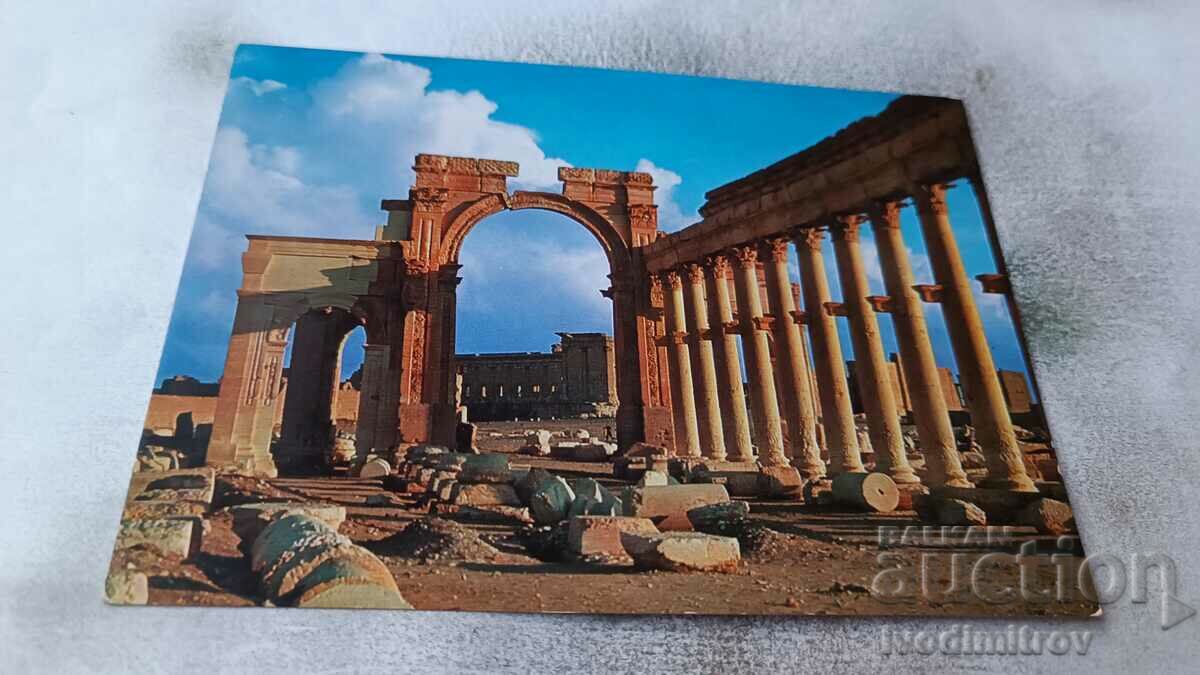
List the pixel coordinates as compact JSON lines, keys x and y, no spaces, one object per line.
{"x":395,"y":205}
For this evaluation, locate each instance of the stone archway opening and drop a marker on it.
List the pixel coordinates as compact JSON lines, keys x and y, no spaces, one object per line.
{"x":533,"y":332}
{"x":310,"y":400}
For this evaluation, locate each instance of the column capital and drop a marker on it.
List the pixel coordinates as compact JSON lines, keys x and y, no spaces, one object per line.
{"x":416,"y":266}
{"x":718,"y":264}
{"x":800,"y":316}
{"x":776,"y":248}
{"x":810,"y":237}
{"x":885,"y":215}
{"x":671,"y":278}
{"x":746,"y":255}
{"x":931,"y":197}
{"x":845,"y":228}
{"x":695,"y":272}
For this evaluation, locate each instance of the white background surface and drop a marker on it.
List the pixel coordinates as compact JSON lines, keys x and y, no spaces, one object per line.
{"x":1086,"y":120}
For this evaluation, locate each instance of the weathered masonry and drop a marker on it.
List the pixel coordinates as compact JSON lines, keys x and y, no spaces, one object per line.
{"x":401,"y":287}
{"x":684,"y":305}
{"x":577,"y":377}
{"x":863,"y":176}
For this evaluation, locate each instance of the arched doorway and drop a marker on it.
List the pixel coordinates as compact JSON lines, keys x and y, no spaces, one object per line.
{"x":451,"y":196}
{"x":308,"y":424}
{"x":533,"y":334}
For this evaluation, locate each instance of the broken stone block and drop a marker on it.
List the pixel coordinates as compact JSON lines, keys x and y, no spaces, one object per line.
{"x":640,"y":449}
{"x":610,"y":505}
{"x":375,"y":468}
{"x":742,"y":481}
{"x":866,"y":491}
{"x":127,"y":587}
{"x":601,"y":535}
{"x":653,"y":479}
{"x":582,"y":434}
{"x":973,"y":460}
{"x":182,"y":485}
{"x":530,"y":482}
{"x":445,"y":490}
{"x":143,"y":510}
{"x":539,"y":441}
{"x":484,"y":494}
{"x":249,"y":520}
{"x":667,"y":506}
{"x":718,"y":516}
{"x":818,"y":491}
{"x":945,"y":511}
{"x":682,"y":551}
{"x":1001,"y":506}
{"x":780,"y":482}
{"x":487,"y":468}
{"x":594,"y":451}
{"x":909,"y":493}
{"x":629,"y":468}
{"x":450,"y":461}
{"x":349,"y":583}
{"x":167,"y":536}
{"x":551,"y":501}
{"x":1048,"y":516}
{"x":301,"y":561}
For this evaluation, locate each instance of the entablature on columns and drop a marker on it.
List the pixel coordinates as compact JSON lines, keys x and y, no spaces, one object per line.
{"x":916,"y":139}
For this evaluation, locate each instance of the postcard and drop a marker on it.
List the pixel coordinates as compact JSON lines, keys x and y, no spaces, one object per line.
{"x":466,"y":335}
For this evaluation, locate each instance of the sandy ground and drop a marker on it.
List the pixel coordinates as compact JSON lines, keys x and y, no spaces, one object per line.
{"x":817,"y":561}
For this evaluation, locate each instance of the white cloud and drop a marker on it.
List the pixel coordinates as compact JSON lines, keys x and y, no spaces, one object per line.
{"x":388,"y":110}
{"x":259,"y":87}
{"x":670,"y":216}
{"x":524,"y":270}
{"x":259,"y":189}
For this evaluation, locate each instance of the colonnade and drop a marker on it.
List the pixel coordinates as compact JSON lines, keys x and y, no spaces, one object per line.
{"x":709,"y":397}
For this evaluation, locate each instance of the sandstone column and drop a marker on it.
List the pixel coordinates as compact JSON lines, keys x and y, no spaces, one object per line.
{"x":795,"y":394}
{"x":372,"y":401}
{"x":764,"y":404}
{"x":704,"y":370}
{"x":916,"y":352}
{"x":874,"y":380}
{"x":683,"y":404}
{"x":837,"y":417}
{"x":730,"y":395}
{"x":981,"y":385}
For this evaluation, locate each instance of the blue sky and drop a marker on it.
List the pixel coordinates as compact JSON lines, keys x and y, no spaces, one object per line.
{"x":309,"y":141}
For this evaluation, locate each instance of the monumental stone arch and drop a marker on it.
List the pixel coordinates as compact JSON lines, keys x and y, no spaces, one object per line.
{"x":401,"y":286}
{"x":685,"y":305}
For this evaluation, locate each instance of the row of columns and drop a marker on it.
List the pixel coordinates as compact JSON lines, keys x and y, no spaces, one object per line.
{"x":708,"y":400}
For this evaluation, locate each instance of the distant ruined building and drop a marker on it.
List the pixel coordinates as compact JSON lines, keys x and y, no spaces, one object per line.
{"x":576,"y":378}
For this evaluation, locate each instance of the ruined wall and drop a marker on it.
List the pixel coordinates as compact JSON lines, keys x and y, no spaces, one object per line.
{"x":578,"y":376}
